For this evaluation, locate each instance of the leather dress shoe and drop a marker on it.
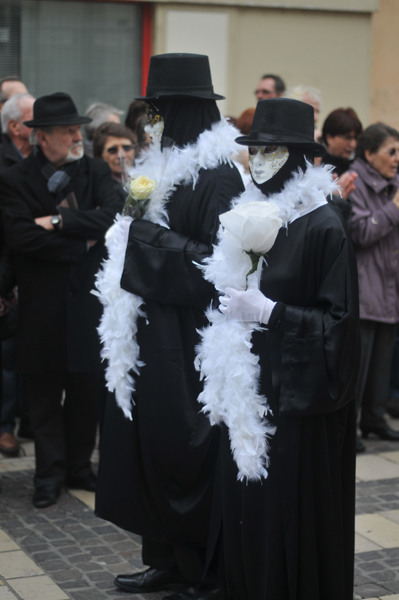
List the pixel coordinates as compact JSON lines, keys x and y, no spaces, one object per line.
{"x":46,"y":495}
{"x":9,"y":444}
{"x":88,"y":482}
{"x":197,"y":593}
{"x":151,"y":580}
{"x":384,"y":432}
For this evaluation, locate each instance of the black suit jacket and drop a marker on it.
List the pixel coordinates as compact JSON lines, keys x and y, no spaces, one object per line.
{"x":58,"y":315}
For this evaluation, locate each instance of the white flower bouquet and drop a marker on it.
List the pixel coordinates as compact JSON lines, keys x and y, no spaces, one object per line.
{"x":253,"y":228}
{"x":139,"y":193}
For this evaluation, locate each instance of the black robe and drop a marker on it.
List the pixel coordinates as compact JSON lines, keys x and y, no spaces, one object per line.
{"x":156,"y":472}
{"x":291,"y":536}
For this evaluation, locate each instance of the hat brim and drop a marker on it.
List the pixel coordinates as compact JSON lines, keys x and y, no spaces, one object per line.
{"x":264,"y":140}
{"x":171,"y":95}
{"x":53,"y":122}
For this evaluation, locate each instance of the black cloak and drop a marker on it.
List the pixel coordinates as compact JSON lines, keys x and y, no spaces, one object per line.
{"x":157,"y":471}
{"x":291,"y":536}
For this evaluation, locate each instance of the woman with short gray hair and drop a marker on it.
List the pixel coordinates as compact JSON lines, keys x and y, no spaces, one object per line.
{"x":99,"y":113}
{"x":375,"y":232}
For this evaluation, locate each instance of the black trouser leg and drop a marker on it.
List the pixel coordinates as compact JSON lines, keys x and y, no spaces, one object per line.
{"x":80,"y":421}
{"x":44,"y":392}
{"x":377,"y":341}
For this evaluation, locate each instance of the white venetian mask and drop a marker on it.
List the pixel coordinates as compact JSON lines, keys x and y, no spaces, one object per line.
{"x":266,"y":161}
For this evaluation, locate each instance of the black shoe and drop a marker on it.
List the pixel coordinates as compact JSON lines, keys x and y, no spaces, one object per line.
{"x":88,"y":482}
{"x":360,"y":447}
{"x":197,"y":593}
{"x":151,"y":580}
{"x":382,"y":431}
{"x":46,"y":496}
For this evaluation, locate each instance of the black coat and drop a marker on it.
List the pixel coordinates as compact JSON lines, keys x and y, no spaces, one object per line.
{"x":55,"y":272}
{"x":291,"y":536}
{"x":9,"y":155}
{"x":156,"y":472}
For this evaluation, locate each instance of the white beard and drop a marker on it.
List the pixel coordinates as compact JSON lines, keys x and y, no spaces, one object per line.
{"x":71,"y":156}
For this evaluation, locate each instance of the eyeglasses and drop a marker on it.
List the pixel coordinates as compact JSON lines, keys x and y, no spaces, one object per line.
{"x":264,"y":93}
{"x":115,"y":149}
{"x":253,"y":150}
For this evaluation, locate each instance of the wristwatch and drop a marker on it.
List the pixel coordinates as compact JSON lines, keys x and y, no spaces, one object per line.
{"x":55,"y":221}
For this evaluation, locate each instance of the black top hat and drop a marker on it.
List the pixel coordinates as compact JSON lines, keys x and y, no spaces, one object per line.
{"x":283,"y":122}
{"x":55,"y":109}
{"x":180,"y":76}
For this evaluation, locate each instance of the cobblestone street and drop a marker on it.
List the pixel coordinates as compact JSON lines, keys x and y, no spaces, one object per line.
{"x":66,"y":552}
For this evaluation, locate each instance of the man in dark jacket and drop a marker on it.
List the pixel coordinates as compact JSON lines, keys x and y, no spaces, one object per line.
{"x":14,"y":148}
{"x":16,"y":144}
{"x":57,"y":205}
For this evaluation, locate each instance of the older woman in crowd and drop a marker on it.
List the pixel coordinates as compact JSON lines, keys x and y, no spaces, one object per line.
{"x":375,"y":232}
{"x":340,"y":132}
{"x":112,"y":141}
{"x":99,"y":113}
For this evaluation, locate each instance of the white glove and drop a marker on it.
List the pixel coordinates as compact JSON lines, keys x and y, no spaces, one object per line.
{"x":250,"y":305}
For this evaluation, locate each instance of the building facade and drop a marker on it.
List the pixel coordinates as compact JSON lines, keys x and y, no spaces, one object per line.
{"x":98,"y":50}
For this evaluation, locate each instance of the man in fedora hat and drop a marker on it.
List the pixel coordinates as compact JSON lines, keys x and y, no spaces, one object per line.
{"x":157,"y":471}
{"x":288,"y":517}
{"x":57,"y":205}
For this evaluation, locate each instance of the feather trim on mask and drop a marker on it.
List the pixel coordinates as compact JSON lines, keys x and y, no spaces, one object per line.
{"x":118,"y":326}
{"x":228,"y":367}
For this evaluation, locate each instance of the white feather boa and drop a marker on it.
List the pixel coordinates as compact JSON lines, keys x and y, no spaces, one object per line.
{"x":118,"y":326}
{"x":229,"y":369}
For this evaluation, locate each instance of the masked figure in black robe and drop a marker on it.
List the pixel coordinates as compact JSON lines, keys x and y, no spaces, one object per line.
{"x":289,"y":535}
{"x":156,"y":474}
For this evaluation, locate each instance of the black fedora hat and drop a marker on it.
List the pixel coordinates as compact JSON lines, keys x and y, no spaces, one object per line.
{"x":283,"y":122}
{"x":55,"y":109}
{"x":180,"y":76}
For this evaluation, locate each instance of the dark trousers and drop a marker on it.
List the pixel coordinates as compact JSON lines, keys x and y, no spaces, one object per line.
{"x":377,"y":342}
{"x":64,"y":426}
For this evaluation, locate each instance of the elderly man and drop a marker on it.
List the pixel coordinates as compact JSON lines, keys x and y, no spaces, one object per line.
{"x":9,"y":86}
{"x":57,"y":205}
{"x":12,"y":85}
{"x":16,"y":144}
{"x":15,"y":147}
{"x":270,"y":86}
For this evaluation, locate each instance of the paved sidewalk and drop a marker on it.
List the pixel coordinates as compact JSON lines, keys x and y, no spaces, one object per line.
{"x":66,"y":552}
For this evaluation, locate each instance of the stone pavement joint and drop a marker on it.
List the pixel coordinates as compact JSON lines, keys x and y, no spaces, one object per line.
{"x":63,"y":551}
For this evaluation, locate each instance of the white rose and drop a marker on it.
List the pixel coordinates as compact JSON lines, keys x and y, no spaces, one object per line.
{"x":142,"y":187}
{"x":253,"y":226}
